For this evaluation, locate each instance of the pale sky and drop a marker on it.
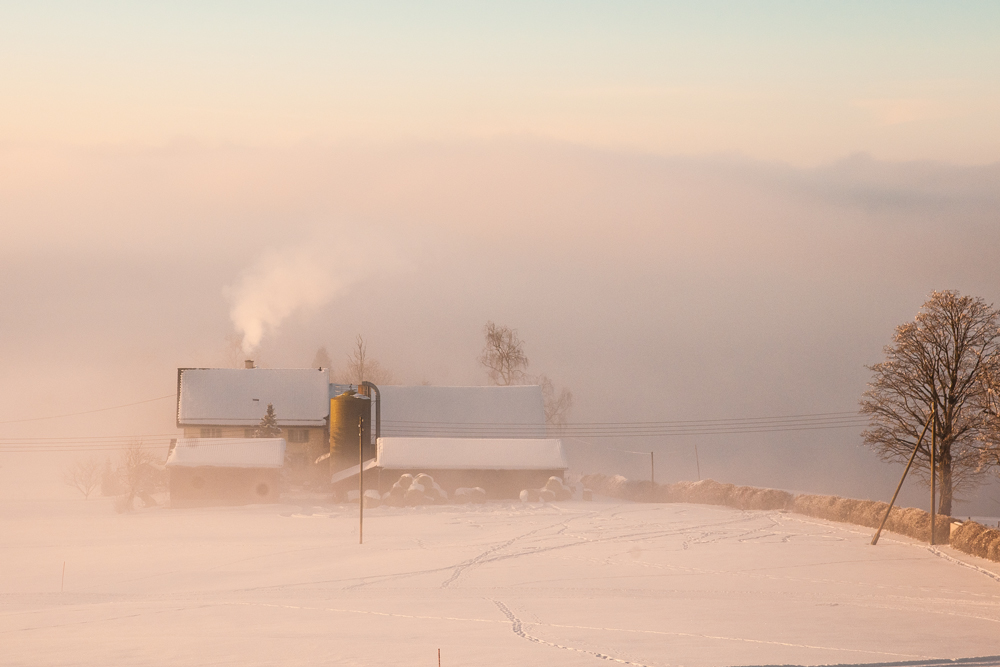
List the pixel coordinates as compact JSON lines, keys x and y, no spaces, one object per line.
{"x":670,"y":202}
{"x":804,"y":83}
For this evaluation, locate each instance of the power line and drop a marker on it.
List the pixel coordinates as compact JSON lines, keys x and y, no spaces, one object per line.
{"x":774,"y":424}
{"x":86,"y":412}
{"x":807,"y":416}
{"x":638,"y":429}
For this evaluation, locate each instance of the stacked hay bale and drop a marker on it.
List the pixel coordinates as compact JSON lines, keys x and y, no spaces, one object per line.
{"x":410,"y":491}
{"x":554,"y":489}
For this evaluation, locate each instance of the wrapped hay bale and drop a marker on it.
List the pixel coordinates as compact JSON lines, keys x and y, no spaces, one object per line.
{"x":475,"y":495}
{"x":559,"y":490}
{"x":417,"y":495}
{"x":372,"y":499}
{"x":431,"y":488}
{"x":529,"y":496}
{"x":395,"y":497}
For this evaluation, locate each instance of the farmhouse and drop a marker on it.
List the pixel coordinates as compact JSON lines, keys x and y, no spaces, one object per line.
{"x":230,"y":402}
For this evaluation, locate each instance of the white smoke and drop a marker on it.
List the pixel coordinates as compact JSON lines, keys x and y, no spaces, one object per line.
{"x":281,"y":283}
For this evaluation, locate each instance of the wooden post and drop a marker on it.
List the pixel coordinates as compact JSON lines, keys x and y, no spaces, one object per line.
{"x":652,"y":469}
{"x":900,"y":485}
{"x":697,"y":462}
{"x":933,"y":469}
{"x":439,"y":657}
{"x":361,"y":480}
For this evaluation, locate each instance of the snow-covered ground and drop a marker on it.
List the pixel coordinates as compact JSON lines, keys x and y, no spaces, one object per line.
{"x":570,"y":583}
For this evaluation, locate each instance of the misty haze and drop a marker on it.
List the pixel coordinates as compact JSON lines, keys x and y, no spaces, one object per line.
{"x":536,"y":335}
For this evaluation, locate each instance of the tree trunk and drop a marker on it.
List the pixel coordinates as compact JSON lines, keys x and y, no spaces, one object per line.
{"x":944,"y":468}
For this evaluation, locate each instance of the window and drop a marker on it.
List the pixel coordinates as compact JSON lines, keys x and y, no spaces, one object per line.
{"x":298,"y":435}
{"x":211,"y":432}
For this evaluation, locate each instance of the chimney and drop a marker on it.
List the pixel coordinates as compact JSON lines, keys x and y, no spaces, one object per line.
{"x":248,"y":363}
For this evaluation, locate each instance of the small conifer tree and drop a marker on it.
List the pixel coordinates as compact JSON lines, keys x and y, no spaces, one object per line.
{"x":268,"y":426}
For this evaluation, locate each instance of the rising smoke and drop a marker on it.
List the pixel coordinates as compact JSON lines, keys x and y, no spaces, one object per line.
{"x":279,"y":284}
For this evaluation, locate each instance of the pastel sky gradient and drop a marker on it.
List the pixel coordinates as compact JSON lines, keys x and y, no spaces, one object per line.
{"x":804,"y":83}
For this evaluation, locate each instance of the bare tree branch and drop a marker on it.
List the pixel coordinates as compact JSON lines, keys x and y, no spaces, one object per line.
{"x":503,"y":355}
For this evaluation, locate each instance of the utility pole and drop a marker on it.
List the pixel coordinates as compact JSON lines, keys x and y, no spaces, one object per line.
{"x":361,"y":480}
{"x":900,"y":485}
{"x":697,"y":463}
{"x":933,"y":469}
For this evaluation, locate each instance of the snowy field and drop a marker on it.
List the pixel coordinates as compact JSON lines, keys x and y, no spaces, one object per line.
{"x":569,"y":583}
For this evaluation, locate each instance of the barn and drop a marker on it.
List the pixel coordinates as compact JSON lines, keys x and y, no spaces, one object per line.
{"x":491,"y":437}
{"x":225,"y":471}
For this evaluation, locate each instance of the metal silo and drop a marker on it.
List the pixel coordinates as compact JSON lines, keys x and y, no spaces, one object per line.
{"x":345,"y":411}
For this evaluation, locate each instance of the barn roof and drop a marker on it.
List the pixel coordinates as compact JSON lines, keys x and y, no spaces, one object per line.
{"x":227,"y":453}
{"x":511,"y":412}
{"x":239,"y":397}
{"x":471,"y":454}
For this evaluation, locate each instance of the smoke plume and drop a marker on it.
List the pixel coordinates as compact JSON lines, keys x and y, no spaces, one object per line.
{"x":279,"y":284}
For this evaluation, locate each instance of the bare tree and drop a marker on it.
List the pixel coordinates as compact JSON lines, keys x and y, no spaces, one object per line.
{"x":361,"y":367}
{"x":557,"y":405}
{"x":939,"y":363}
{"x":135,"y":474}
{"x":84,"y":475}
{"x":503,"y":355}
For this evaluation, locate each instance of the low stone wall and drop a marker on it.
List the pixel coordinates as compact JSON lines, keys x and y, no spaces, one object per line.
{"x":908,"y":521}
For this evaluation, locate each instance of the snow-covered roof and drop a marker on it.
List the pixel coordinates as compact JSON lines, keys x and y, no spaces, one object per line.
{"x":512,"y":412}
{"x":228,"y":453}
{"x":239,"y":396}
{"x":470,"y":454}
